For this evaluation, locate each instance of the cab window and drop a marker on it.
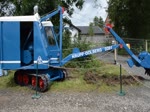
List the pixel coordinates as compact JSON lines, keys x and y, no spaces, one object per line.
{"x":50,"y":36}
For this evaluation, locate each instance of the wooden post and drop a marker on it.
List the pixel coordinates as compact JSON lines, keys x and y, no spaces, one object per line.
{"x":115,"y":54}
{"x":146,"y":45}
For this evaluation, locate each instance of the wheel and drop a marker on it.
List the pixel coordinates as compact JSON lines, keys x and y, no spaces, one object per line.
{"x":18,"y":78}
{"x":33,"y":82}
{"x":25,"y":79}
{"x":43,"y":84}
{"x":147,"y":71}
{"x":65,"y":75}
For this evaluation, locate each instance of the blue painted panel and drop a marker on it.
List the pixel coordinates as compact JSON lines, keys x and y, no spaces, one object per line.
{"x":53,"y":52}
{"x":0,"y":44}
{"x":39,"y":45}
{"x":11,"y":44}
{"x":10,"y":66}
{"x":130,"y":63}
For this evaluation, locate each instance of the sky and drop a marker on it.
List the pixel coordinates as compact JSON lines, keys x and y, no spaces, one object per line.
{"x":89,"y":11}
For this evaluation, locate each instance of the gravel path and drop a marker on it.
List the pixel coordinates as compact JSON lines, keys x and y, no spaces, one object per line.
{"x":137,"y":99}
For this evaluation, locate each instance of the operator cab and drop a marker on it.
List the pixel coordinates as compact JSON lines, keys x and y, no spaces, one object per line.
{"x":49,"y":32}
{"x":53,"y":48}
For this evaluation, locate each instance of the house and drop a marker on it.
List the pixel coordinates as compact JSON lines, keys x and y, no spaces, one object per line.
{"x":98,"y":35}
{"x":83,"y":31}
{"x":75,"y":31}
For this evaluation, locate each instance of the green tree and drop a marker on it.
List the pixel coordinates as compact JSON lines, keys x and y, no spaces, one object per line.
{"x":6,"y":8}
{"x":98,"y":22}
{"x":66,"y":38}
{"x":90,"y":30}
{"x":130,"y":17}
{"x":25,"y":7}
{"x":119,"y":13}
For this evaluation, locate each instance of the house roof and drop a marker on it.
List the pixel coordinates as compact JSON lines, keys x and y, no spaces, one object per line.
{"x":71,"y":25}
{"x":85,"y":30}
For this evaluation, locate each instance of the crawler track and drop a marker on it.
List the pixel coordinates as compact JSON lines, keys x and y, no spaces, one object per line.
{"x":27,"y":78}
{"x":41,"y":81}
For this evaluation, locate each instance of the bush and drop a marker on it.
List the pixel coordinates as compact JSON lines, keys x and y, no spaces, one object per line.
{"x":83,"y":45}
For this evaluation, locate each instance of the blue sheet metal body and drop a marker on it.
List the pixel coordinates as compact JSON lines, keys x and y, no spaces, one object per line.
{"x":10,"y":45}
{"x":143,"y":59}
{"x":78,"y":54}
{"x":23,"y":44}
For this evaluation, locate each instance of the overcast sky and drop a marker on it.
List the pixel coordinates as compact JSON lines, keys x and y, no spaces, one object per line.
{"x":89,"y":11}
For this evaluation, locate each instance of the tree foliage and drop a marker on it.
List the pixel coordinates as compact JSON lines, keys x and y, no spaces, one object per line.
{"x":98,"y":22}
{"x":25,"y":7}
{"x":6,"y":8}
{"x":90,"y":30}
{"x":66,"y":38}
{"x":130,"y":17}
